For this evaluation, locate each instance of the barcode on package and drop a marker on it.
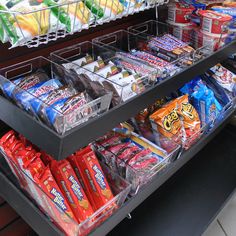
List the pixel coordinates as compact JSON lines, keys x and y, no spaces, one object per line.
{"x":171,"y":15}
{"x":207,"y":25}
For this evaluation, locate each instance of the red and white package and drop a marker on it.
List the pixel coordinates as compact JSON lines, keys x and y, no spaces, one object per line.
{"x":72,"y":189}
{"x":214,"y":22}
{"x":179,"y":13}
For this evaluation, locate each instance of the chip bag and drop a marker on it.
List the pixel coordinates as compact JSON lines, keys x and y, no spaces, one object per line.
{"x":167,"y":126}
{"x":190,"y":119}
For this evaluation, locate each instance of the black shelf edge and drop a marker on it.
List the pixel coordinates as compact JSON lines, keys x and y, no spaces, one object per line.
{"x":151,"y":187}
{"x":26,"y":209}
{"x":61,"y":146}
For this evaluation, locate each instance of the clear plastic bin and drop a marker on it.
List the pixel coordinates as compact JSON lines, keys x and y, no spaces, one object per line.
{"x":135,"y":177}
{"x":80,"y":110}
{"x":186,"y":33}
{"x":137,"y":39}
{"x":120,"y":189}
{"x":123,"y":87}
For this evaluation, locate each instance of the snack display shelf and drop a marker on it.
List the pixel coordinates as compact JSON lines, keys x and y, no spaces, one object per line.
{"x":61,"y":146}
{"x":192,"y":198}
{"x":43,"y":226}
{"x":52,"y":20}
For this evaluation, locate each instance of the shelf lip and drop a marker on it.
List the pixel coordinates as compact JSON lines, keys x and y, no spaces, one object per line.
{"x":26,"y":209}
{"x":152,"y":186}
{"x":61,"y":146}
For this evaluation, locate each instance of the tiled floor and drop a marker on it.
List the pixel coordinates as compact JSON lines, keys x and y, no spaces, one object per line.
{"x":225,"y":224}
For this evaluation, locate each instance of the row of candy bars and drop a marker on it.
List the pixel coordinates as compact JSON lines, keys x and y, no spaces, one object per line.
{"x":69,"y":191}
{"x":165,"y":53}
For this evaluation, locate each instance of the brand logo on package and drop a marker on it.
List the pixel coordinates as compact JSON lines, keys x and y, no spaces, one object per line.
{"x":59,"y":200}
{"x":169,"y":120}
{"x":76,"y":188}
{"x":99,"y":177}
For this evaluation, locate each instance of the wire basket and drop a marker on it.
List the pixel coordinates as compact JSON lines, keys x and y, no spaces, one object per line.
{"x":33,"y":23}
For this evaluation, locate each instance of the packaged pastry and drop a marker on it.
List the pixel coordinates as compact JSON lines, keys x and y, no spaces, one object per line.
{"x":68,"y":113}
{"x":80,"y":62}
{"x":72,"y":189}
{"x":224,"y":77}
{"x":23,"y":83}
{"x":94,"y":178}
{"x":23,"y":98}
{"x":39,"y":104}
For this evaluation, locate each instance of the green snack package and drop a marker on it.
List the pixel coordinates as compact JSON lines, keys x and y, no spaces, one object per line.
{"x":60,"y":13}
{"x":94,"y":8}
{"x":8,"y":24}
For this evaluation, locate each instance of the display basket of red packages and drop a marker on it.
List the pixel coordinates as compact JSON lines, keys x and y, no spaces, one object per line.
{"x":54,"y":208}
{"x":135,"y":158}
{"x":33,"y":23}
{"x":105,"y":71}
{"x":42,"y":89}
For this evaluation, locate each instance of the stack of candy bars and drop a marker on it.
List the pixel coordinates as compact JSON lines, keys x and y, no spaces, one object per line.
{"x":183,"y":119}
{"x":23,"y":20}
{"x":124,"y":80}
{"x":69,"y":191}
{"x":132,"y":156}
{"x":166,"y":53}
{"x":49,"y":100}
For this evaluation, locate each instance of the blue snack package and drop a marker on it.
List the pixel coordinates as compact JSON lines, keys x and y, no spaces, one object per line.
{"x":23,"y":98}
{"x":219,"y":92}
{"x":38,"y":105}
{"x":66,"y":113}
{"x":12,"y":87}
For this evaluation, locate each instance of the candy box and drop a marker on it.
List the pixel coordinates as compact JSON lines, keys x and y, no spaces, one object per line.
{"x":179,"y":13}
{"x":214,"y":22}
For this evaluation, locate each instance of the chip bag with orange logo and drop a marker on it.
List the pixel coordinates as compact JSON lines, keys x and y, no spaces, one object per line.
{"x":190,"y":119}
{"x":167,"y":126}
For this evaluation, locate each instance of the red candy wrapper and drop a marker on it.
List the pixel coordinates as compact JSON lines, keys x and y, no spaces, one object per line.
{"x":72,"y":189}
{"x":93,"y":177}
{"x":60,"y":210}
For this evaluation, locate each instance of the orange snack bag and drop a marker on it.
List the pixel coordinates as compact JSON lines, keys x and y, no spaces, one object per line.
{"x":190,"y":118}
{"x":71,"y":188}
{"x":94,"y":178}
{"x":167,"y":122}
